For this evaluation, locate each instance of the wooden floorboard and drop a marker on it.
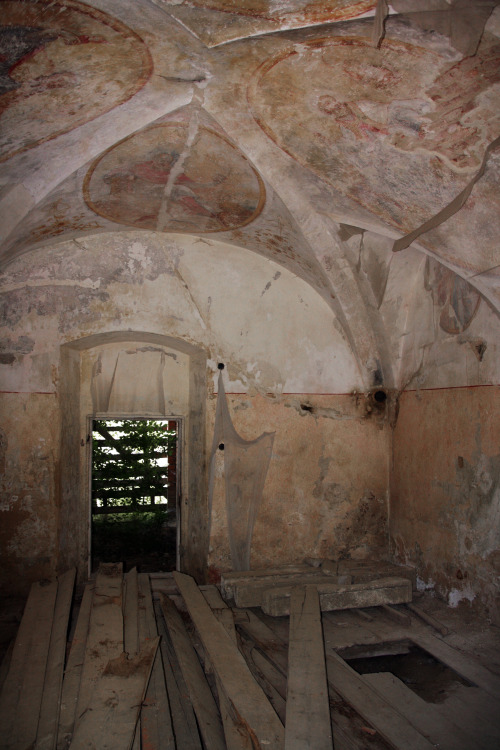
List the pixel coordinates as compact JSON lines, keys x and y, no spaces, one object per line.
{"x":203,"y":670}
{"x":244,"y":694}
{"x":48,"y":723}
{"x":105,"y":635}
{"x":22,"y":692}
{"x":183,"y":716}
{"x":73,"y":671}
{"x":207,"y":713}
{"x":113,"y":711}
{"x":155,"y":720}
{"x":307,"y":705}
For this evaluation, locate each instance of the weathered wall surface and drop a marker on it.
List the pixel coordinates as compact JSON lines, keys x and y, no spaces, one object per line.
{"x":29,"y":439}
{"x":257,"y":318}
{"x":326,"y":488}
{"x":445,"y":493}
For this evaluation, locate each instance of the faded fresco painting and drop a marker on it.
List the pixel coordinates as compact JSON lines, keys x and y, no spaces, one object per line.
{"x":368,"y":119}
{"x":165,"y":179}
{"x":456,"y":301}
{"x":298,"y":11}
{"x":61,"y":65}
{"x":217,"y":22}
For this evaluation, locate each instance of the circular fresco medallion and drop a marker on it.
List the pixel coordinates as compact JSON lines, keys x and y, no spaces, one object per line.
{"x":155,"y":180}
{"x":61,"y":65}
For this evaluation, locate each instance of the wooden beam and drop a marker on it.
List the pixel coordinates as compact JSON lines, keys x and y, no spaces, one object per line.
{"x":246,"y":697}
{"x":403,"y":618}
{"x":183,"y":718}
{"x":131,"y":613}
{"x":232,"y":579}
{"x":307,"y":707}
{"x":235,"y":735}
{"x":250,"y":593}
{"x":115,"y":703}
{"x":155,"y":720}
{"x":428,"y":619}
{"x":202,"y":699}
{"x":73,"y":671}
{"x":46,"y":738}
{"x":276,"y":602}
{"x":105,"y":637}
{"x":388,"y":722}
{"x":424,"y":716}
{"x":22,"y":691}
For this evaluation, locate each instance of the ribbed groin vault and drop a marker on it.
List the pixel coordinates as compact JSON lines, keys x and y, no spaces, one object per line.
{"x":301,"y":192}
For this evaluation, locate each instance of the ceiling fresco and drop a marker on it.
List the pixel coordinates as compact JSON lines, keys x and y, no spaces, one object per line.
{"x":301,"y":11}
{"x":245,"y":123}
{"x":218,"y":22}
{"x":61,"y":65}
{"x":368,"y":119}
{"x":169,"y":179}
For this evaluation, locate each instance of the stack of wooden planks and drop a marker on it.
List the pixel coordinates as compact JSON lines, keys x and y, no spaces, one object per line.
{"x":159,"y":663}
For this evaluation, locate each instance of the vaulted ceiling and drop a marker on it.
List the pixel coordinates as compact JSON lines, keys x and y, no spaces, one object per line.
{"x":311,"y":133}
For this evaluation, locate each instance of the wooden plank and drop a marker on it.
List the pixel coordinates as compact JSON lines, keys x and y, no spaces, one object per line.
{"x":465,"y":666}
{"x":110,"y":722}
{"x":105,"y":636}
{"x":269,"y":677}
{"x":343,"y":629}
{"x":370,"y":570}
{"x":183,"y":719}
{"x":402,"y":618}
{"x":73,"y":671}
{"x":307,"y":707}
{"x":204,"y":705}
{"x":390,"y":724}
{"x":349,"y":730}
{"x":274,"y":647}
{"x":245,"y":695}
{"x":46,"y":738}
{"x":22,"y":691}
{"x":5,"y":666}
{"x":424,"y":716}
{"x":232,"y":578}
{"x":475,"y":712}
{"x":235,"y":735}
{"x":276,"y":602}
{"x":156,"y":729}
{"x":131,"y":630}
{"x":364,"y":614}
{"x":428,"y":619}
{"x":213,"y":597}
{"x":252,"y":594}
{"x":131,"y":613}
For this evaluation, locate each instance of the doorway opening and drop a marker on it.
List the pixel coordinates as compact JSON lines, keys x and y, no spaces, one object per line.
{"x":135,"y":481}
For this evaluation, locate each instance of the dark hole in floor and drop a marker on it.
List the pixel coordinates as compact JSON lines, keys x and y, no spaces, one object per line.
{"x":416,"y":668}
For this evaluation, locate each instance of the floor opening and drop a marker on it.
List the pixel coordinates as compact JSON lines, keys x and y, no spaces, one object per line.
{"x":429,"y":678}
{"x":134,"y":492}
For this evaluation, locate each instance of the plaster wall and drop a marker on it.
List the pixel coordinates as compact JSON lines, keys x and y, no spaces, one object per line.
{"x":326,"y":488}
{"x":138,"y":325}
{"x":445,"y":492}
